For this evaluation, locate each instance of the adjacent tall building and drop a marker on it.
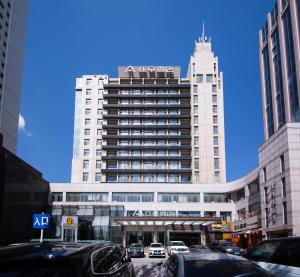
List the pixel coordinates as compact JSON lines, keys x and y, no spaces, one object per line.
{"x":280,"y":66}
{"x":13,"y":17}
{"x":150,"y":125}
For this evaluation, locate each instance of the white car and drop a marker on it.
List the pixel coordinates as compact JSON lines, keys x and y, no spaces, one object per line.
{"x":157,"y":250}
{"x":177,"y":247}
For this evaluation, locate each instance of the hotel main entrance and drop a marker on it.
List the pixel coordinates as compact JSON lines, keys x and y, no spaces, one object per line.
{"x":148,"y":229}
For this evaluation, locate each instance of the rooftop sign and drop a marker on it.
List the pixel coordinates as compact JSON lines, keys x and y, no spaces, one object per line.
{"x":148,"y":71}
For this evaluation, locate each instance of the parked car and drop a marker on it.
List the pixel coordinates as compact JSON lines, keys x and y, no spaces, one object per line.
{"x":177,"y":247}
{"x":64,"y":259}
{"x":198,"y":248}
{"x":280,"y":256}
{"x":157,"y":250}
{"x":210,"y":264}
{"x":217,"y":245}
{"x":136,"y":250}
{"x":230,"y":249}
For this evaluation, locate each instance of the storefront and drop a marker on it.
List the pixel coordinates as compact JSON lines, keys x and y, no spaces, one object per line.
{"x":220,"y":231}
{"x":247,"y":232}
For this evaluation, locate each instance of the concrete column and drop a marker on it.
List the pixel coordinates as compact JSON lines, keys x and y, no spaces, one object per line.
{"x":124,"y":236}
{"x":140,"y":234}
{"x":155,"y":236}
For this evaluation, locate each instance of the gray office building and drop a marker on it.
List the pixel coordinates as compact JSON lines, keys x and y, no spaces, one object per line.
{"x":13,"y":16}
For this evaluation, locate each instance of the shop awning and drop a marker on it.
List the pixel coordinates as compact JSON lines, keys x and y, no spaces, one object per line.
{"x":165,"y":221}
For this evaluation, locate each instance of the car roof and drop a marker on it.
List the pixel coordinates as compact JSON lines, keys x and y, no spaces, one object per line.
{"x":286,"y":238}
{"x":46,"y":250}
{"x":208,"y":255}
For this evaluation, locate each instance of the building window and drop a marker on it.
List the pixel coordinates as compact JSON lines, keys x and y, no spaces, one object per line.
{"x":196,"y":151}
{"x":215,"y":119}
{"x":283,"y":184}
{"x":196,"y":177}
{"x":88,"y":101}
{"x":195,"y":109}
{"x":123,"y":178}
{"x":99,"y":132}
{"x":216,"y":141}
{"x":196,"y":131}
{"x":135,"y":178}
{"x":85,"y":177}
{"x":196,"y":163}
{"x":87,"y":121}
{"x":98,"y":142}
{"x":173,"y":178}
{"x":214,"y":88}
{"x":111,"y":178}
{"x":98,"y":152}
{"x":178,"y":197}
{"x":266,"y":194}
{"x":87,"y":132}
{"x":216,"y":163}
{"x":264,"y":175}
{"x":214,"y":108}
{"x":99,"y":121}
{"x":195,"y":119}
{"x":282,"y":164}
{"x":195,"y":89}
{"x":98,"y":164}
{"x":98,"y":177}
{"x":86,"y":142}
{"x":88,"y":92}
{"x":86,"y":152}
{"x":85,"y":164}
{"x":209,"y":78}
{"x":217,"y":197}
{"x":217,"y":176}
{"x":88,"y":81}
{"x":200,"y":78}
{"x":215,"y":130}
{"x":196,"y":141}
{"x":216,"y":151}
{"x":57,"y":196}
{"x":161,"y":178}
{"x":195,"y":99}
{"x":214,"y":99}
{"x":148,"y":178}
{"x":284,"y":213}
{"x":226,"y":216}
{"x":87,"y":111}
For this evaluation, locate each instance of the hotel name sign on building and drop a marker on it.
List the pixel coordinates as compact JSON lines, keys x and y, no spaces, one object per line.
{"x":148,"y":71}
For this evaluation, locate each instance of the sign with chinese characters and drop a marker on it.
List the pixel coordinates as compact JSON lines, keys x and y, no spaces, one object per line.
{"x":148,"y":71}
{"x":40,"y":221}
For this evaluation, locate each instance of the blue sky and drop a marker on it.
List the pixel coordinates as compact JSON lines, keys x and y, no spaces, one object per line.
{"x":69,"y":38}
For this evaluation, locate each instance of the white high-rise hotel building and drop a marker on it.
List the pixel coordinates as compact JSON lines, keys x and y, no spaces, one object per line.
{"x":150,"y":125}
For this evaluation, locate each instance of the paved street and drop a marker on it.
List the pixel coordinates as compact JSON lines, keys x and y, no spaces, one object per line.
{"x":146,"y":266}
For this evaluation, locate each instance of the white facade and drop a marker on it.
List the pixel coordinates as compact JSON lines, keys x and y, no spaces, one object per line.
{"x":13,"y":23}
{"x":207,"y":110}
{"x":88,"y":133}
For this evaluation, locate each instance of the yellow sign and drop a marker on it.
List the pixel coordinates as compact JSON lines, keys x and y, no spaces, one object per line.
{"x":69,"y":220}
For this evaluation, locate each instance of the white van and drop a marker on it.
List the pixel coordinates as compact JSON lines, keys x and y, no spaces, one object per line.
{"x":280,"y":256}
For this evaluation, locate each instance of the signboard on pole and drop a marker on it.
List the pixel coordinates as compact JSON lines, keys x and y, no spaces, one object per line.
{"x":40,"y":221}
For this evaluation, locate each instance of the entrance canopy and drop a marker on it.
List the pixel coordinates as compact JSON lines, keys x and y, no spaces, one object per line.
{"x":165,"y":220}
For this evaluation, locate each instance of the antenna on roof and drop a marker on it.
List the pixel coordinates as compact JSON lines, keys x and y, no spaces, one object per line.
{"x":203,"y":32}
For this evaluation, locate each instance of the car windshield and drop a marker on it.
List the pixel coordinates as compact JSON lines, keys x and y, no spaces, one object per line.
{"x":222,"y":268}
{"x":156,"y":245}
{"x":136,"y":245}
{"x":177,"y":243}
{"x":263,"y":251}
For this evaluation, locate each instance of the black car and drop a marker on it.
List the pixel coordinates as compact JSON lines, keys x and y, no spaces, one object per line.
{"x":64,"y":259}
{"x":198,"y":248}
{"x":136,"y":250}
{"x":210,"y":264}
{"x":280,"y":256}
{"x":230,"y":249}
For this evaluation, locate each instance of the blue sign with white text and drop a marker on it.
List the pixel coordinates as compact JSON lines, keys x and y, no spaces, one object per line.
{"x":41,"y":221}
